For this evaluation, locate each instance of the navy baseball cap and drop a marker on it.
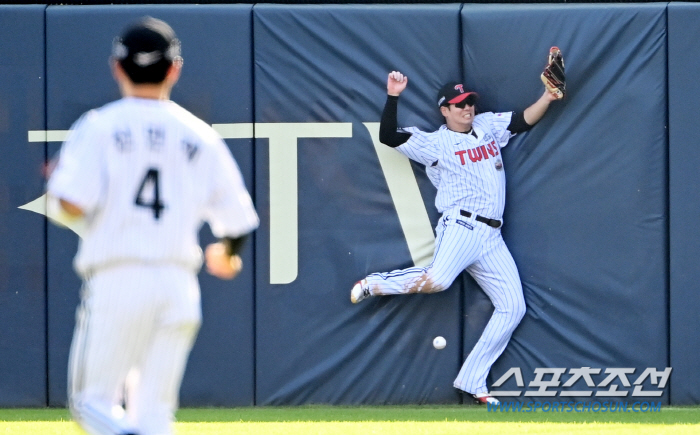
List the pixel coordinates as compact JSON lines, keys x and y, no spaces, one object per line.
{"x":453,"y":92}
{"x":147,"y":42}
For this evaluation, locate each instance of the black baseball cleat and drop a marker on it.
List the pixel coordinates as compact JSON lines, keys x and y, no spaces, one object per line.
{"x":485,"y":399}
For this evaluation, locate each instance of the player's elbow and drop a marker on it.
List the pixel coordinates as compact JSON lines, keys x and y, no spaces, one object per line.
{"x":391,"y":140}
{"x":391,"y":137}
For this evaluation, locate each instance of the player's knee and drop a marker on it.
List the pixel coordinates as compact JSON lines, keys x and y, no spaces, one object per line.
{"x":518,"y":310}
{"x":433,"y":289}
{"x":436,"y":284}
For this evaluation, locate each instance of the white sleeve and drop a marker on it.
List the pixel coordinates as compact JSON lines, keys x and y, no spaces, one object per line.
{"x":499,"y":123}
{"x":229,"y":210}
{"x":419,"y":147}
{"x":79,"y":174}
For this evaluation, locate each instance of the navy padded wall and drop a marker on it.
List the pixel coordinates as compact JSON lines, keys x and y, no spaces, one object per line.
{"x":22,"y":247}
{"x":684,"y":180}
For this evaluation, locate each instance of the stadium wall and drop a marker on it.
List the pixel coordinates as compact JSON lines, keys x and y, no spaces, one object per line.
{"x":599,"y":216}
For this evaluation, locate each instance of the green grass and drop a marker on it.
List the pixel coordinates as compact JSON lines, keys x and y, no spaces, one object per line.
{"x":383,"y":420}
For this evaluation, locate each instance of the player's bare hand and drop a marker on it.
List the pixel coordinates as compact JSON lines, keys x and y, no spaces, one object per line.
{"x":396,"y":83}
{"x":220,"y":264}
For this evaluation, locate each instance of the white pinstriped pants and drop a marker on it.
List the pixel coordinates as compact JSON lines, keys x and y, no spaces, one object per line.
{"x":133,"y":320}
{"x":465,"y":244}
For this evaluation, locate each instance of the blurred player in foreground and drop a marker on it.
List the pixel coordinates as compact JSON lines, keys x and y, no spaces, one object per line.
{"x":144,"y":174}
{"x":463,"y":160}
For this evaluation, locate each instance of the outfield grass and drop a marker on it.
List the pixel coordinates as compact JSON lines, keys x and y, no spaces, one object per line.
{"x":384,"y":420}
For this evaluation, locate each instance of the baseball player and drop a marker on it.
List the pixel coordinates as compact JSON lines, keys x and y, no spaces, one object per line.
{"x":463,"y":161}
{"x":144,"y":174}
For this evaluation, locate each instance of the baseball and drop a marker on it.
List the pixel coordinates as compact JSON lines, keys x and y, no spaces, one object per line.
{"x":439,"y":342}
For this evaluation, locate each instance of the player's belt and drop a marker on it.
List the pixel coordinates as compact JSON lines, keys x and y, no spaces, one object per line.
{"x":494,"y":223}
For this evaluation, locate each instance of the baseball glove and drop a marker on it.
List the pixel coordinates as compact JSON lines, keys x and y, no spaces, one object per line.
{"x":553,"y":75}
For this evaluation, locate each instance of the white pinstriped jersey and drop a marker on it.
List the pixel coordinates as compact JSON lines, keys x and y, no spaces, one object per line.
{"x":147,"y":174}
{"x":466,"y":170}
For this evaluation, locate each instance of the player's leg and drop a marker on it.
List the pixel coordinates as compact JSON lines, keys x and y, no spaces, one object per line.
{"x":456,"y":247}
{"x":155,"y":398}
{"x":108,"y":339}
{"x":497,"y":274}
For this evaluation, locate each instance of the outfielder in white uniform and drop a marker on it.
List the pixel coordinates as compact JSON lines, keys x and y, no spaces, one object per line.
{"x":463,"y":160}
{"x":144,"y":174}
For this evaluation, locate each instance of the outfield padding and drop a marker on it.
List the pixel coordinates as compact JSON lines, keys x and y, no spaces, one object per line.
{"x":22,"y":241}
{"x":684,"y":181}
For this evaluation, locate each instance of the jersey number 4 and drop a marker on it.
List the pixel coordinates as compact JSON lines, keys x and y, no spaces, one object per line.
{"x":150,"y":184}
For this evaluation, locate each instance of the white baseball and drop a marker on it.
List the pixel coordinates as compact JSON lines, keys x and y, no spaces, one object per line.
{"x":439,"y":342}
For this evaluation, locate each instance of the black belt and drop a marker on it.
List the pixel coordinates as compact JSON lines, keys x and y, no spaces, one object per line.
{"x":494,"y":223}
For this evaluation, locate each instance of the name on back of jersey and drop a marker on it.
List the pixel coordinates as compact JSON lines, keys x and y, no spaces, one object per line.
{"x":155,"y":138}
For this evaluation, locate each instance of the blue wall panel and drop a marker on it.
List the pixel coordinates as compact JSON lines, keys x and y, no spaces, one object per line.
{"x":684,"y":182}
{"x":22,"y":247}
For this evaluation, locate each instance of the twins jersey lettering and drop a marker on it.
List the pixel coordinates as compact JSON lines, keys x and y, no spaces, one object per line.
{"x":148,"y":174}
{"x":467,"y":169}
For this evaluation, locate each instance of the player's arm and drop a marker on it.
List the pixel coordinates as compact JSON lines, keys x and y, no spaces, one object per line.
{"x":69,"y":196}
{"x":524,"y":121}
{"x":223,"y":258}
{"x":388,"y":126}
{"x":537,"y":110}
